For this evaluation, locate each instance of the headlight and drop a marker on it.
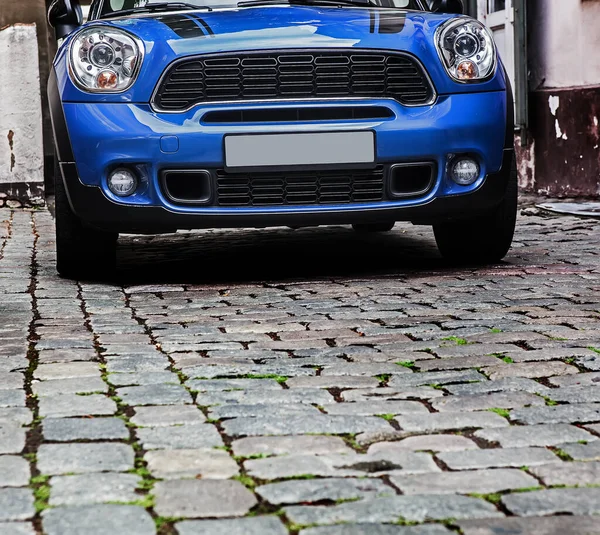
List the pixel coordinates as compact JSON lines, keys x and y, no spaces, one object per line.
{"x":105,"y":59}
{"x":467,"y":50}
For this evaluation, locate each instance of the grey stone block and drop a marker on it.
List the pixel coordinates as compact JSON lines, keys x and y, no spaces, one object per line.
{"x":57,"y":459}
{"x":501,"y":400}
{"x":535,"y":435}
{"x":583,"y":452}
{"x":438,"y":378}
{"x":189,"y":436}
{"x":368,"y":408}
{"x":467,"y":482}
{"x":16,"y":504}
{"x":497,"y":457}
{"x":167,"y":415}
{"x":14,"y":471}
{"x":333,"y":381}
{"x":93,"y":488}
{"x":340,"y":465}
{"x":307,"y":444}
{"x":162,"y":394}
{"x":16,"y":528}
{"x":260,"y":525}
{"x":333,"y":489}
{"x":205,"y":464}
{"x":317,"y":396}
{"x":100,"y":519}
{"x":15,"y":415}
{"x":64,"y":405}
{"x":427,"y":443}
{"x":382,"y":394}
{"x":207,"y":385}
{"x":554,"y":525}
{"x":530,"y":370}
{"x":450,"y":420}
{"x":576,"y":394}
{"x":12,"y":438}
{"x":67,"y":370}
{"x":510,"y":384}
{"x":294,"y":424}
{"x":410,"y":508}
{"x":281,"y":410}
{"x":12,"y":398}
{"x":78,"y":385}
{"x":377,"y":529}
{"x":573,"y":473}
{"x":70,"y":429}
{"x":192,"y":498}
{"x":582,"y":501}
{"x":579,"y":413}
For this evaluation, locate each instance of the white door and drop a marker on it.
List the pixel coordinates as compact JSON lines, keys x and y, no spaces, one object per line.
{"x":498,"y":15}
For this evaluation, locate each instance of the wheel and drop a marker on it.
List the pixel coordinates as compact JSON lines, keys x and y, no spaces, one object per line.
{"x":81,"y":252}
{"x":385,"y":226}
{"x":484,"y":239}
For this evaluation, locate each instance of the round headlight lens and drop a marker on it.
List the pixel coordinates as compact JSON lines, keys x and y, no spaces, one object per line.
{"x":467,"y":50}
{"x":466,"y":45}
{"x":104,"y":59}
{"x":102,"y":55}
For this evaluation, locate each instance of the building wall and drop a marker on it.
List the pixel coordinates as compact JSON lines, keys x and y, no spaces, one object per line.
{"x":34,"y":12}
{"x":21,"y":149}
{"x":564,"y":81}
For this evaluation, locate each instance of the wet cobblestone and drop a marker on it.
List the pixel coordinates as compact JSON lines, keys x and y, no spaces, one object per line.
{"x":307,"y":382}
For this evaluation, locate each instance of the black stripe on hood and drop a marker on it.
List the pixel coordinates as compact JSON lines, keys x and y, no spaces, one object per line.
{"x":185,"y":26}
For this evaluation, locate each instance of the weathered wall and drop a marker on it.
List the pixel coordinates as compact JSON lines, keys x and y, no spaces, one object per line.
{"x":28,"y":12}
{"x":21,"y":138}
{"x":564,"y":64}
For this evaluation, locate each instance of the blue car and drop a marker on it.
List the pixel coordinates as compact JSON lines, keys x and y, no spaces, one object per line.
{"x":258,"y":113}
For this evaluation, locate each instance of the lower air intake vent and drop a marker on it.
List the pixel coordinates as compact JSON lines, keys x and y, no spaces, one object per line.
{"x":300,"y":188}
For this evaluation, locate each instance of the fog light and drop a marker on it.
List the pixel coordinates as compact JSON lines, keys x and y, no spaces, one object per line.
{"x":464,"y":171}
{"x":122,"y":182}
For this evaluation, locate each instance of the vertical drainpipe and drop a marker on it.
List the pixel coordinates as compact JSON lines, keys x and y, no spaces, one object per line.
{"x":521,"y":81}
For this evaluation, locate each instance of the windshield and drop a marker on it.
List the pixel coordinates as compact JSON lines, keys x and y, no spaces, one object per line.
{"x":110,"y":7}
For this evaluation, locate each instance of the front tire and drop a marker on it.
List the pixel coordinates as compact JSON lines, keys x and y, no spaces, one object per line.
{"x":484,"y":239}
{"x":81,"y":252}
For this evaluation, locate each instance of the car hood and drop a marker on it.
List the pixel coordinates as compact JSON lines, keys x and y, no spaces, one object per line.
{"x":284,"y":26}
{"x":170,"y":36}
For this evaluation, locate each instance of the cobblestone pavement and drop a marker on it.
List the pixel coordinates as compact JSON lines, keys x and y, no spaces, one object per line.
{"x":313,"y":382}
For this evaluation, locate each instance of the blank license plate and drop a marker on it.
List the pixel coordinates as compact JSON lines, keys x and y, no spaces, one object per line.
{"x":306,"y":149}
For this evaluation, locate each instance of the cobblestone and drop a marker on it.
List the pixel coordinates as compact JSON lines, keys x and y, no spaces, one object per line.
{"x":561,"y":525}
{"x":538,"y":435}
{"x":70,"y":429}
{"x":311,"y":491}
{"x":93,"y":488}
{"x":571,"y":474}
{"x":240,"y":526}
{"x":14,"y":471}
{"x":104,"y":519}
{"x":468,"y":482}
{"x":56,"y":459}
{"x":553,"y":501}
{"x":192,"y":498}
{"x":364,"y":370}
{"x":410,"y":508}
{"x":377,"y":529}
{"x":497,"y":458}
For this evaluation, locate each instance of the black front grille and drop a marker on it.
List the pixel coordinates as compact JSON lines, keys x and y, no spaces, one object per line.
{"x":297,"y":188}
{"x":293,"y":75}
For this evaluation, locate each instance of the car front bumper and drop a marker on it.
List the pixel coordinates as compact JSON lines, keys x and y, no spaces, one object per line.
{"x":94,"y":138}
